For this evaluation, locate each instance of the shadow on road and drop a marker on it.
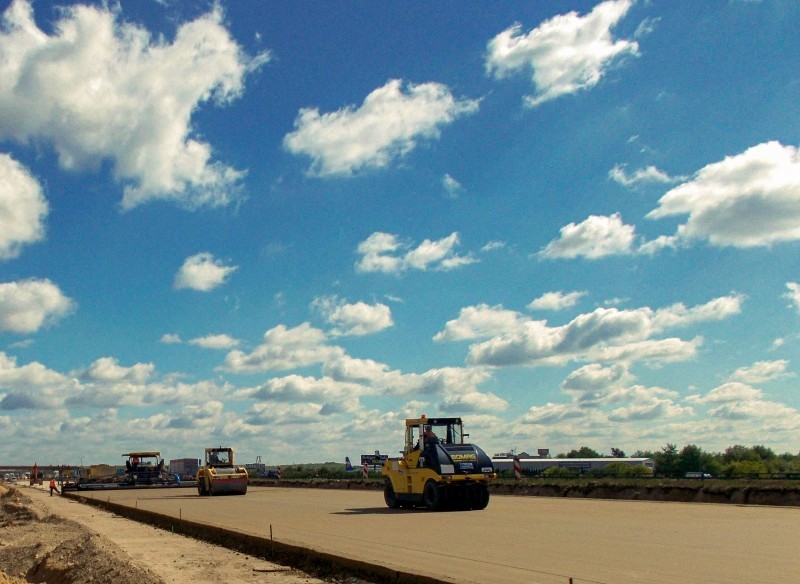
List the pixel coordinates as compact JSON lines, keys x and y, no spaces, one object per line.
{"x":371,"y":511}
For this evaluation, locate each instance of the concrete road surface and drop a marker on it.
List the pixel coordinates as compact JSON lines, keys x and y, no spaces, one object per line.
{"x":530,"y":540}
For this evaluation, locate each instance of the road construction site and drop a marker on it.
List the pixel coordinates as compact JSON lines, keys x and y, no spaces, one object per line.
{"x":514,"y":540}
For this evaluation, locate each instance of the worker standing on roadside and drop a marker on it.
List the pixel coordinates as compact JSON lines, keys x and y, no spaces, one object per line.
{"x":53,"y":487}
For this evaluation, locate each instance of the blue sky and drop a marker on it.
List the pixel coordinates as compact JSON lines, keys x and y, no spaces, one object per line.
{"x":288,"y":226}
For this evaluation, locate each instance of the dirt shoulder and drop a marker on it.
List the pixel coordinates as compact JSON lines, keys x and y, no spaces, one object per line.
{"x":54,"y":539}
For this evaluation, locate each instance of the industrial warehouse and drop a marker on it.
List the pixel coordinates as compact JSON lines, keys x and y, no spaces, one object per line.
{"x":531,"y":464}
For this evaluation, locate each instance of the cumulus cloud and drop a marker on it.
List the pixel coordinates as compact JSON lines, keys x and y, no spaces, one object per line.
{"x":650,"y":407}
{"x":605,"y":333}
{"x":215,"y":342}
{"x":102,"y":89}
{"x":355,"y":319}
{"x":552,"y":413}
{"x":133,"y":389}
{"x":594,"y":384}
{"x":284,"y":348}
{"x":761,"y":371}
{"x":335,"y":396}
{"x":481,"y":321}
{"x":757,"y":410}
{"x":108,"y":370}
{"x":732,"y":391}
{"x":170,"y":339}
{"x":556,"y":300}
{"x":202,"y":272}
{"x":748,"y":200}
{"x":567,"y":53}
{"x":793,"y":295}
{"x":736,"y":401}
{"x":32,"y":386}
{"x":28,"y":305}
{"x":23,"y":208}
{"x":650,"y":174}
{"x":384,"y":252}
{"x":388,"y":125}
{"x":596,"y":237}
{"x":601,"y":395}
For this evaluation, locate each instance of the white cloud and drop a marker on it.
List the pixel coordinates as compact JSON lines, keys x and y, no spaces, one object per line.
{"x":748,"y":200}
{"x":355,"y":319}
{"x":170,"y":339}
{"x":481,"y":321}
{"x":678,"y":315}
{"x":793,"y":295}
{"x":472,"y":401}
{"x":32,"y":386}
{"x":202,"y":272}
{"x":651,"y":174}
{"x":761,"y":371}
{"x":493,"y":245}
{"x":215,"y":342}
{"x":567,"y":53}
{"x":605,"y":333}
{"x":551,"y":413}
{"x":556,"y":300}
{"x":284,"y":348}
{"x":757,"y":410}
{"x":23,"y":208}
{"x":732,"y":391}
{"x":108,"y":370}
{"x":596,"y":237}
{"x":283,"y":414}
{"x":383,"y":252}
{"x":102,"y":89}
{"x":594,"y":384}
{"x":650,"y":408}
{"x":388,"y":125}
{"x":335,"y":396}
{"x":28,"y":305}
{"x":451,"y":186}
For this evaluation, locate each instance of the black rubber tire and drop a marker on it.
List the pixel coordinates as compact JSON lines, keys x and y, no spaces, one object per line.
{"x":432,"y":496}
{"x":390,"y":496}
{"x":482,"y":498}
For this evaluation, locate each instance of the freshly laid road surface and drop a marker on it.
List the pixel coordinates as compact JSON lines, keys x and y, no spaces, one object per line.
{"x":525,"y":540}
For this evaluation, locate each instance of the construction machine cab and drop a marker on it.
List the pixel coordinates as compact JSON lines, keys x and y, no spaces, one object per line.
{"x":219,"y":457}
{"x":144,"y":468}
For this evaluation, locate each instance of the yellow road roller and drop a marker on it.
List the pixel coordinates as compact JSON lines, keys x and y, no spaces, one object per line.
{"x":220,"y":476}
{"x":438,"y":469}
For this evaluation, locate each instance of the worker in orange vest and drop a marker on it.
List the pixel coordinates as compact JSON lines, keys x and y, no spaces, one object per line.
{"x":53,"y":487}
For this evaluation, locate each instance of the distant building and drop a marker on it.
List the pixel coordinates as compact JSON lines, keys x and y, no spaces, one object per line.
{"x":185,"y":467}
{"x":536,"y":465}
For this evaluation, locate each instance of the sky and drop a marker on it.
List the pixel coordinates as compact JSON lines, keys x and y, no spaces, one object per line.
{"x":287,"y":226}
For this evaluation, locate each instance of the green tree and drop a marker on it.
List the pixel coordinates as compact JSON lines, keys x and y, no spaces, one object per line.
{"x":739,"y":468}
{"x":559,"y":472}
{"x":738,"y":453}
{"x":617,"y":453}
{"x":583,"y":452}
{"x":667,"y":461}
{"x":622,"y":470}
{"x":764,"y":453}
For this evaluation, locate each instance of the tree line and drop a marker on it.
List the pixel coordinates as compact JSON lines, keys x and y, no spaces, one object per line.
{"x":735,"y":461}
